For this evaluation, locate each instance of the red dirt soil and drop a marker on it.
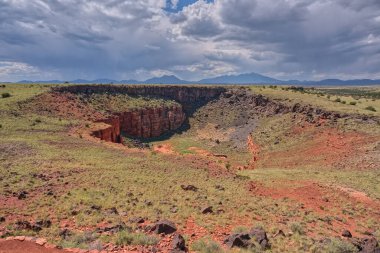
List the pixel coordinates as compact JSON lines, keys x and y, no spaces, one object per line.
{"x":16,"y":246}
{"x":321,"y":199}
{"x":323,"y":147}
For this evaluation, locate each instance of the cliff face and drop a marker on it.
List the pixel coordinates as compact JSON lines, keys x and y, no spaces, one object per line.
{"x":152,"y":122}
{"x":143,"y":123}
{"x":110,"y":132}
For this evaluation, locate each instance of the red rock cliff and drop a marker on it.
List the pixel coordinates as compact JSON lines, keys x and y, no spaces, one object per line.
{"x":144,"y":123}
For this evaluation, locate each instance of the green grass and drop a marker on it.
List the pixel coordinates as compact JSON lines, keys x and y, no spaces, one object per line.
{"x":364,"y":97}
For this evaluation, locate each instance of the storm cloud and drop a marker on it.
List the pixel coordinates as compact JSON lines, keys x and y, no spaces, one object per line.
{"x":122,"y":39}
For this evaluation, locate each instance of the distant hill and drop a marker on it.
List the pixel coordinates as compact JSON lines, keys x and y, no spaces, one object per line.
{"x":250,"y":78}
{"x":242,"y":79}
{"x":166,"y":80}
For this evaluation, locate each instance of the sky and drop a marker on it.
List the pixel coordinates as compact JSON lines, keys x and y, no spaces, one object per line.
{"x":192,"y":39}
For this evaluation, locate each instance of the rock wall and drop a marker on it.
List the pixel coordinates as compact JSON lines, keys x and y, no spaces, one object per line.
{"x":142,"y":123}
{"x":152,"y":122}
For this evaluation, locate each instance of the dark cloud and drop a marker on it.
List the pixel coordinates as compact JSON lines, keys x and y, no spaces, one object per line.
{"x":137,"y":39}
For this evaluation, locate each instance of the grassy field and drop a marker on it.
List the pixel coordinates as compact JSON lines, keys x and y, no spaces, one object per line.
{"x":77,"y":184}
{"x":344,"y":100}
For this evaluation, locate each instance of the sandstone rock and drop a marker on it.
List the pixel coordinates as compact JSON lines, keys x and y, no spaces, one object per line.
{"x":41,"y":241}
{"x":164,"y":227}
{"x":20,"y":238}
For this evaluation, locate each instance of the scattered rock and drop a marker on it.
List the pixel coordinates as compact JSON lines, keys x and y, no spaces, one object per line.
{"x":219,"y":187}
{"x":164,"y":227}
{"x":20,"y":238}
{"x":96,"y":207}
{"x":65,"y":233}
{"x":114,"y":228}
{"x":178,"y":244}
{"x":244,"y":240}
{"x":43,"y":223}
{"x":346,"y":233}
{"x":111,"y":211}
{"x":136,"y":220}
{"x":26,"y":225}
{"x":41,"y":241}
{"x":240,"y":240}
{"x":174,"y":209}
{"x":206,"y":210}
{"x":368,"y":245}
{"x":189,"y":188}
{"x":22,"y":195}
{"x":279,"y":233}
{"x":260,"y":236}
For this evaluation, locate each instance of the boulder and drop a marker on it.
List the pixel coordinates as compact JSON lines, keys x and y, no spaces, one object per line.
{"x":368,"y":245}
{"x":260,"y":236}
{"x":164,"y":227}
{"x":244,"y":240}
{"x":178,"y":244}
{"x":240,"y":240}
{"x":347,"y":233}
{"x":206,"y":210}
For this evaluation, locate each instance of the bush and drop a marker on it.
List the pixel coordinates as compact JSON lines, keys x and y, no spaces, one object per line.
{"x":343,"y":102}
{"x":126,"y":238}
{"x":297,"y":228}
{"x":337,"y":100}
{"x":5,"y":95}
{"x":370,"y":108}
{"x":339,"y":246}
{"x":206,"y":246}
{"x":352,"y":103}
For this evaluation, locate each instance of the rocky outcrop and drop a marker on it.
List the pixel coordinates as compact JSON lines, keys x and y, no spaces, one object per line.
{"x":186,"y":95}
{"x":141,"y":123}
{"x":152,"y":122}
{"x":111,"y":131}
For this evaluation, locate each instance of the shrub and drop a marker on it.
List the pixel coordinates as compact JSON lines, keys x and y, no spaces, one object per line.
{"x":352,"y":103}
{"x":126,"y":238}
{"x":206,"y":246}
{"x":328,"y":96}
{"x":339,"y":246}
{"x":370,"y":108}
{"x":343,"y":102}
{"x":5,"y":95}
{"x":337,"y":100}
{"x":297,"y":228}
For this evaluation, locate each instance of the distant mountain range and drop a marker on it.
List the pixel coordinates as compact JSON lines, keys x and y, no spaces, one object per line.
{"x":249,"y":78}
